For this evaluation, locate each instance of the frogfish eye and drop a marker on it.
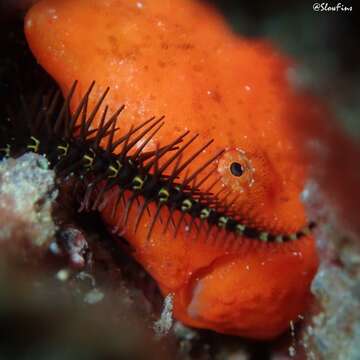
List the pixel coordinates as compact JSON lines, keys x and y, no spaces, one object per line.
{"x":236,"y":169}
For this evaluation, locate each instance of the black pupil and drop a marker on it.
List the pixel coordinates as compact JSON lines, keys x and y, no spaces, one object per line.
{"x":236,"y":169}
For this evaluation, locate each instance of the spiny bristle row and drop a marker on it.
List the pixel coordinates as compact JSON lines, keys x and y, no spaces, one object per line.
{"x":133,"y":170}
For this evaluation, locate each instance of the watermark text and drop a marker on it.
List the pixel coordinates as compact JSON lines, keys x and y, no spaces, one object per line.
{"x":326,"y":7}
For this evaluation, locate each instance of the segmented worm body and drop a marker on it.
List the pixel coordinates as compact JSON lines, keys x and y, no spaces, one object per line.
{"x":132,"y":169}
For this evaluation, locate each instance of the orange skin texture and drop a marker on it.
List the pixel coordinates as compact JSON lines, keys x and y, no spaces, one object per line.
{"x":179,"y":58}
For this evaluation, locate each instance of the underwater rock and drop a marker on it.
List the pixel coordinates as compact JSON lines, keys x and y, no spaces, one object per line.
{"x":164,"y":324}
{"x":62,"y":312}
{"x":334,"y":332}
{"x":27,"y":191}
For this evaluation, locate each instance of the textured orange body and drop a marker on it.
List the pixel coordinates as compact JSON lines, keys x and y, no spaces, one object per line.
{"x":178,"y":58}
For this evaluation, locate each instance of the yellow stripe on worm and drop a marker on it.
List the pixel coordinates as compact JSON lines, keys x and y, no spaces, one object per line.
{"x":114,"y":169}
{"x":186,"y":205}
{"x":205,"y":213}
{"x":163,"y":195}
{"x":35,"y":146}
{"x":64,"y":149}
{"x":137,"y":183}
{"x":223,"y":221}
{"x":6,"y":150}
{"x":89,"y":158}
{"x":239,"y":229}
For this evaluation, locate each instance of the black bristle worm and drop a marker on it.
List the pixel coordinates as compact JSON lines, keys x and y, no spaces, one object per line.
{"x":73,"y":146}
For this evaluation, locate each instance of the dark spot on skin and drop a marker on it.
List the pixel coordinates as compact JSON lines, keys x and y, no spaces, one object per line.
{"x":109,"y":25}
{"x":161,"y":64}
{"x":113,"y":41}
{"x":216,"y":96}
{"x":185,"y":46}
{"x":115,"y":50}
{"x":114,"y":46}
{"x":285,"y":198}
{"x":197,"y":68}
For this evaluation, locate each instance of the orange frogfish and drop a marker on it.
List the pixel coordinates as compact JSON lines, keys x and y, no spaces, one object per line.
{"x":178,"y":58}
